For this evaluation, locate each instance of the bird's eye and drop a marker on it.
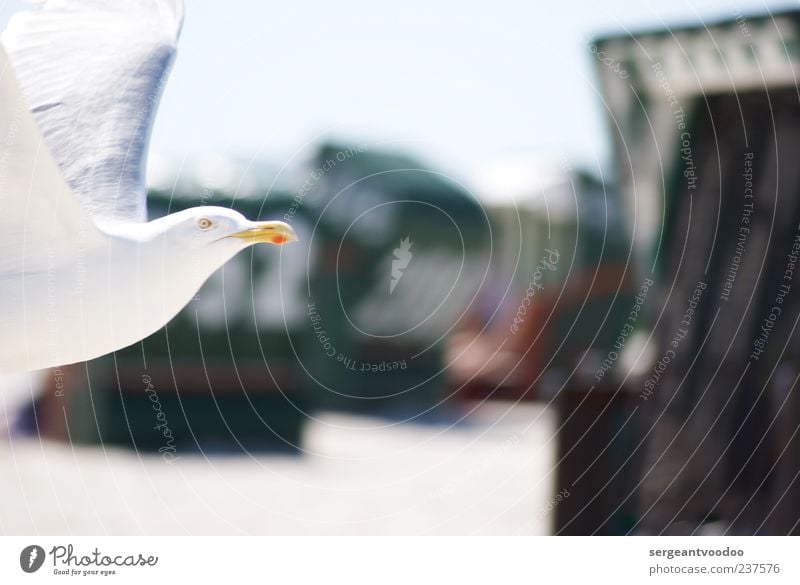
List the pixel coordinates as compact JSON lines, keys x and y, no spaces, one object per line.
{"x":204,"y":223}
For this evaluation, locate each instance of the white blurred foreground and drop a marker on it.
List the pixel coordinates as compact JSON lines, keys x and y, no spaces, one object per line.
{"x":491,"y":476}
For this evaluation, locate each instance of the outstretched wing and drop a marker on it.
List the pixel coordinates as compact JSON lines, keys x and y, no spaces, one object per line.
{"x":40,"y":219}
{"x":92,"y":72}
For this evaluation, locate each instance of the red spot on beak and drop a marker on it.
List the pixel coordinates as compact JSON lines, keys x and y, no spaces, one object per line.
{"x":278,"y":240}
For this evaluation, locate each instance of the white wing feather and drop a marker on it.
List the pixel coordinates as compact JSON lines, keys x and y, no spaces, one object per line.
{"x":40,"y":219}
{"x":92,"y":72}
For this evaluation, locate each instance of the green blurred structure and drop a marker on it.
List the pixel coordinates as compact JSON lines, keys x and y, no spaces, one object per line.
{"x":337,"y":321}
{"x":400,"y":252}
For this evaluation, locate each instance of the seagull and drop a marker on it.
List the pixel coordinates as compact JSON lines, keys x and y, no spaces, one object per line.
{"x":82,"y":271}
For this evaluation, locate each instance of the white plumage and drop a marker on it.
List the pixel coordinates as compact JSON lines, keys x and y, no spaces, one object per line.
{"x":82,"y":273}
{"x":92,"y":72}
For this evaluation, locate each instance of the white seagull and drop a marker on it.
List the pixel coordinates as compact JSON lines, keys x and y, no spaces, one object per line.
{"x":82,"y":271}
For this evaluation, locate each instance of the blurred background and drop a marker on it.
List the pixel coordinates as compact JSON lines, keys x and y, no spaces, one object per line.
{"x":510,"y":310}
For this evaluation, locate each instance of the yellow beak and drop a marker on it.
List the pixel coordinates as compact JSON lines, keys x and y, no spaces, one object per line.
{"x":268,"y":232}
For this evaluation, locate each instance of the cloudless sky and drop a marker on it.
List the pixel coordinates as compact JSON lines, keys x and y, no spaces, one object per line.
{"x":455,"y":82}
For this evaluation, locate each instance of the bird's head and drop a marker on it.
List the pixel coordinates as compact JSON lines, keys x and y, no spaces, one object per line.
{"x":216,"y":227}
{"x":209,"y":226}
{"x":168,"y":259}
{"x":207,"y":237}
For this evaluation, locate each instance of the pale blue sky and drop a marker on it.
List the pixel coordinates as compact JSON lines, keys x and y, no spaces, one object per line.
{"x":456,"y":82}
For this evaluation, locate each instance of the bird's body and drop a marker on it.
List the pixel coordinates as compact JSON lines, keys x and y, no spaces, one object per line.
{"x":116,"y":290}
{"x":82,"y":273}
